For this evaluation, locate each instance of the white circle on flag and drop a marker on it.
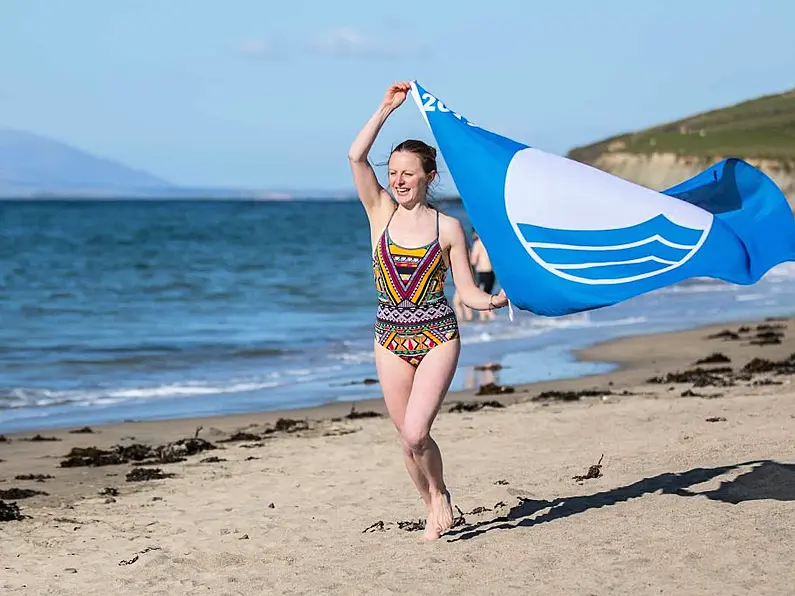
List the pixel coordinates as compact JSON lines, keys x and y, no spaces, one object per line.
{"x":592,"y":227}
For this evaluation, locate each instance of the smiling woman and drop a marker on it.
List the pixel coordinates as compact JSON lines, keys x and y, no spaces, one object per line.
{"x":416,"y":331}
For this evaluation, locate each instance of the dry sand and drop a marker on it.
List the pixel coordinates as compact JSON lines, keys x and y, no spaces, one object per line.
{"x":695,"y":494}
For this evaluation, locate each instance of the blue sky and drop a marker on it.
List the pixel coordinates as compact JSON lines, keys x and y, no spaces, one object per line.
{"x":266,"y":94}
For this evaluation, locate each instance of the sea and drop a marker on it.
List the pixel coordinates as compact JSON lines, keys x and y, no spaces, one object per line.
{"x":144,"y":310}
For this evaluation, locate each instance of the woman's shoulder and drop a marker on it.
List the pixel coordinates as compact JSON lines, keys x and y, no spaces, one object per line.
{"x":450,"y":227}
{"x":380,"y":216}
{"x":449,"y":221}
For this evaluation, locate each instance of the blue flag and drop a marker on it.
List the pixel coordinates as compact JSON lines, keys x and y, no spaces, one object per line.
{"x":565,"y":237}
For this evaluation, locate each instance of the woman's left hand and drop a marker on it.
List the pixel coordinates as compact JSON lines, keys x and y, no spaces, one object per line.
{"x":498,"y":300}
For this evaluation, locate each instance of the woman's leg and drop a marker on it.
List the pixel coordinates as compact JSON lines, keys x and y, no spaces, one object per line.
{"x":431,"y":382}
{"x":396,"y":377}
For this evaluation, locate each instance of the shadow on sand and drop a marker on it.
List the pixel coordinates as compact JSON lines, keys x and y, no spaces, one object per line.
{"x":767,"y":480}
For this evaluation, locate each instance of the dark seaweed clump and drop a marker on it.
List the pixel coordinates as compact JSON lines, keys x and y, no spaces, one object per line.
{"x":726,"y":376}
{"x":86,"y":430}
{"x":714,"y":358}
{"x":10,"y":512}
{"x":15,"y":494}
{"x":356,"y":415}
{"x":594,"y":471}
{"x":474,"y":406}
{"x":137,"y":452}
{"x":494,"y":389}
{"x":36,"y":477}
{"x":144,"y":474}
{"x":763,"y":334}
{"x":699,"y":377}
{"x":569,"y":395}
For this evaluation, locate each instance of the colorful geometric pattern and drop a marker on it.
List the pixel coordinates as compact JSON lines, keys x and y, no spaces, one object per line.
{"x":413,"y":314}
{"x":414,"y":340}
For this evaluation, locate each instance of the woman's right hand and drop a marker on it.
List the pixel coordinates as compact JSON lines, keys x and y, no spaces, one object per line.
{"x":396,"y":95}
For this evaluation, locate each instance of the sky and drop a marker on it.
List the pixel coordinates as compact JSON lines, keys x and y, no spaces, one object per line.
{"x":269,"y":94}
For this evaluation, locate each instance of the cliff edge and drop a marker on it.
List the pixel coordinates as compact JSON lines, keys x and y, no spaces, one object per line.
{"x":761,"y":131}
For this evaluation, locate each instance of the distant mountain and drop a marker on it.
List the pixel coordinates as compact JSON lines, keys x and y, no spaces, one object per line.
{"x":35,"y":167}
{"x":32,"y":165}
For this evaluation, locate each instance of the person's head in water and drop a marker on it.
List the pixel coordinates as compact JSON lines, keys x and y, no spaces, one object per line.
{"x":412,"y":168}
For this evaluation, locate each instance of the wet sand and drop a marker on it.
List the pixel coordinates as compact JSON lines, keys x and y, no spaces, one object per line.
{"x":663,"y":477}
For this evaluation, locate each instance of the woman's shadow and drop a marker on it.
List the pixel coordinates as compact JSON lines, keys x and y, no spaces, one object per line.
{"x":767,"y":480}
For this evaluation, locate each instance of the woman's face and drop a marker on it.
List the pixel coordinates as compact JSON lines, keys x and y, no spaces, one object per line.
{"x":407,"y":180}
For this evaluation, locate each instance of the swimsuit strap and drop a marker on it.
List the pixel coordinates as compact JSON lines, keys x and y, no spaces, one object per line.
{"x":386,"y":228}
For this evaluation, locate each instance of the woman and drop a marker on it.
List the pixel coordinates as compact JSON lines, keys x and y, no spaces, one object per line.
{"x":416,"y":332}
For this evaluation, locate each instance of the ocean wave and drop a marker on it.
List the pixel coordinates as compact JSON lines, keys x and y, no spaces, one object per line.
{"x":750,"y":297}
{"x":781,"y":273}
{"x":24,"y":397}
{"x":36,"y":397}
{"x":150,"y":356}
{"x":534,"y":326}
{"x":353,"y":356}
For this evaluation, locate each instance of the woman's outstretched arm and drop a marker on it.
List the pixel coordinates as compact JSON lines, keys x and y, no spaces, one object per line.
{"x":471,"y":294}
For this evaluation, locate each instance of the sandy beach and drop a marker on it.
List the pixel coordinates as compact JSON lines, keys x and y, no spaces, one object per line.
{"x":667,"y":476}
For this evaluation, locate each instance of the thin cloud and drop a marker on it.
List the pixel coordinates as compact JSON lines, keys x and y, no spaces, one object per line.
{"x":346,"y":42}
{"x":340,"y":43}
{"x":260,"y":48}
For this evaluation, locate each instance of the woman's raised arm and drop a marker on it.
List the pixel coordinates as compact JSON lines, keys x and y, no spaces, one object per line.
{"x":371,"y":193}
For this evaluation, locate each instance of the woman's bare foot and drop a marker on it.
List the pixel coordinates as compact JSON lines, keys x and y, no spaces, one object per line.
{"x":441,"y":512}
{"x":431,"y":531}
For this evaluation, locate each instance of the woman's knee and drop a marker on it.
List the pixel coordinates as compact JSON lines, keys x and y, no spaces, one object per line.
{"x":414,"y":438}
{"x":407,"y":451}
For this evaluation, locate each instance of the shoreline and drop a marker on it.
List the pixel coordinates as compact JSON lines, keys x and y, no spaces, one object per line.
{"x":634,"y":357}
{"x":311,"y":381}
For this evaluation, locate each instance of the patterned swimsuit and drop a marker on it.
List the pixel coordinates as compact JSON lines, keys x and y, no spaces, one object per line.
{"x":413,"y":314}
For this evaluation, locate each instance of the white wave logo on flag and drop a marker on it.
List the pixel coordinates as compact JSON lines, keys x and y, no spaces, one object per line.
{"x":597,"y":229}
